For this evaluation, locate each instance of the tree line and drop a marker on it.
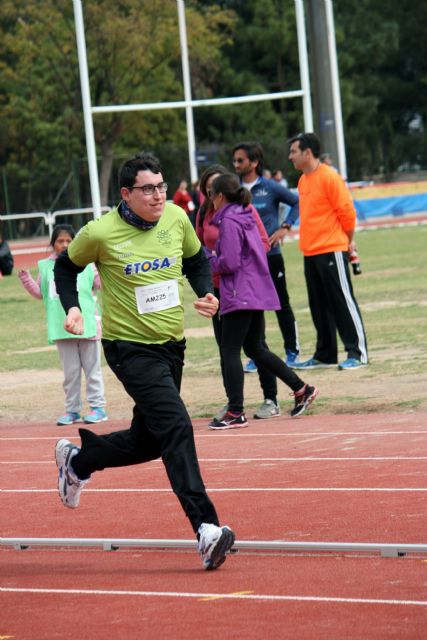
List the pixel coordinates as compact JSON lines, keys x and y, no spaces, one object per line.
{"x":236,"y":47}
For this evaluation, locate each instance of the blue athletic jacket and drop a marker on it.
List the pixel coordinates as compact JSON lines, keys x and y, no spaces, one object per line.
{"x":266,"y":197}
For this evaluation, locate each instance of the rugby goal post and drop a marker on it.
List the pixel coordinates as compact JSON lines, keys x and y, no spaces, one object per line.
{"x":188,"y":103}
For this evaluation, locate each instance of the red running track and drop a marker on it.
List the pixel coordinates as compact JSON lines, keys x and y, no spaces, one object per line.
{"x":318,"y":478}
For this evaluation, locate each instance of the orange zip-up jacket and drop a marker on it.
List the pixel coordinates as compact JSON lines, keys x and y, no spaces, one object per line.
{"x":326,"y":212}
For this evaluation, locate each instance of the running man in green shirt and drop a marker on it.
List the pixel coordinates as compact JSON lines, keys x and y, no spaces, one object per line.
{"x":142,"y":249}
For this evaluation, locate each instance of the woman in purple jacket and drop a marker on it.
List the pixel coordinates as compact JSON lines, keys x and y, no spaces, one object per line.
{"x":246,"y":291}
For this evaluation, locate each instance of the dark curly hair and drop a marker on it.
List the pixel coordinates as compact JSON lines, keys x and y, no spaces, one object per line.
{"x":142,"y":161}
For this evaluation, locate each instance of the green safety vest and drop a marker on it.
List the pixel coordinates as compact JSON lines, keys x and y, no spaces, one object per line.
{"x":55,"y":313}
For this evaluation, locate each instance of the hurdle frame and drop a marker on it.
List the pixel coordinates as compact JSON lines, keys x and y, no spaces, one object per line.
{"x":386,"y":550}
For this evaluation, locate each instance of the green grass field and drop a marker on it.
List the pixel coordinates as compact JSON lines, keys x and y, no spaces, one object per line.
{"x":391,"y":292}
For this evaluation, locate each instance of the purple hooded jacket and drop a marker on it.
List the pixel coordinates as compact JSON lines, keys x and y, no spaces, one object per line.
{"x":245,"y":281}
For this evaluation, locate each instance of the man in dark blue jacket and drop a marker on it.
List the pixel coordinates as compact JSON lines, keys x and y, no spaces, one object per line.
{"x":267,"y":195}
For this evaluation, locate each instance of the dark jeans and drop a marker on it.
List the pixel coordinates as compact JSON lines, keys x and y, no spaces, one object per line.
{"x":246,"y":329}
{"x":161,"y":427}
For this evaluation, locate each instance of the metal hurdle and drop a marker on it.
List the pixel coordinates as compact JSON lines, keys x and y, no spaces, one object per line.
{"x":386,"y":550}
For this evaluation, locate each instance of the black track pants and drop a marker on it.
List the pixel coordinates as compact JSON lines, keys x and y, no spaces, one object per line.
{"x":161,"y":427}
{"x":333,"y":307}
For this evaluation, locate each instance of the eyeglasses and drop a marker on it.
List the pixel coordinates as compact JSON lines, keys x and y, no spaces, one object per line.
{"x":149,"y":189}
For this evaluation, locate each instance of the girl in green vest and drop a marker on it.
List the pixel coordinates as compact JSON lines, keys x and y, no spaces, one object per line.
{"x":76,"y":352}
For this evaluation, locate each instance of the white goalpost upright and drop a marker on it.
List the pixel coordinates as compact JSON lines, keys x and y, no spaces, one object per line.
{"x":188,"y":103}
{"x":87,"y":109}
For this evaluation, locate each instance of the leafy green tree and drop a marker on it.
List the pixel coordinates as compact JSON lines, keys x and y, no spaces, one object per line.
{"x":236,"y":47}
{"x":133,"y":57}
{"x":262,"y":58}
{"x":382,"y":53}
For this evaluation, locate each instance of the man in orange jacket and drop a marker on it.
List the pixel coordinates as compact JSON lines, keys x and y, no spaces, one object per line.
{"x":327,"y":224}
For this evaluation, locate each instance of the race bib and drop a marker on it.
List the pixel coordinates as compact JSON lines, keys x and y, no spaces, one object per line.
{"x":157,"y":297}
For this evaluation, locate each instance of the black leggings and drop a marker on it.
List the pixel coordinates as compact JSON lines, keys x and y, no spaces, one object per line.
{"x":267,"y":379}
{"x":246,"y":329}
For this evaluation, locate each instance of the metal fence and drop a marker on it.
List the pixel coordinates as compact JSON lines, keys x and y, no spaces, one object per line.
{"x":49,"y":219}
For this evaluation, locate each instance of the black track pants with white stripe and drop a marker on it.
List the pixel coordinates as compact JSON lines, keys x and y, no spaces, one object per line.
{"x":333,"y":307}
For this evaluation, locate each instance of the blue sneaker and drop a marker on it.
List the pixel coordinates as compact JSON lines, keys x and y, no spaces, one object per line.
{"x":311,"y":363}
{"x":250,"y":367}
{"x":69,"y":418}
{"x":97,"y":414}
{"x":350,"y":363}
{"x":291,"y":357}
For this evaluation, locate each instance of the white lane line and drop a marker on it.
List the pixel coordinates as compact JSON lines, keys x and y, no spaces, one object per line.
{"x":227,"y":596}
{"x":237,"y":490}
{"x":297,"y":434}
{"x":293,"y":459}
{"x":311,"y":435}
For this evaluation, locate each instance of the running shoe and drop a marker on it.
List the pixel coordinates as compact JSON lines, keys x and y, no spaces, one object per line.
{"x":250,"y":367}
{"x":214,"y":544}
{"x":311,"y":363}
{"x":303,"y":399}
{"x":291,"y":357}
{"x":69,"y":418}
{"x":219,"y":416}
{"x":69,"y":485}
{"x":97,"y":414}
{"x":268,"y":409}
{"x":229,"y":421}
{"x":350,"y":364}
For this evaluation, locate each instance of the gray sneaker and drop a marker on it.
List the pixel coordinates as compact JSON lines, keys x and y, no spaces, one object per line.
{"x":268,"y":409}
{"x":69,"y":485}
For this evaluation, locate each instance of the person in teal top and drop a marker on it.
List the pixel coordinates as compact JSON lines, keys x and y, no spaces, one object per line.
{"x":142,"y":249}
{"x":77,"y":353}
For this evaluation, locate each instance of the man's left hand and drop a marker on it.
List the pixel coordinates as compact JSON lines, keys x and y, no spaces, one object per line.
{"x":278,"y":236}
{"x":207,"y":306}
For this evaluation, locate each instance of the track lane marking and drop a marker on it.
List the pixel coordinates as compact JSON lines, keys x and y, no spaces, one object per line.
{"x":314,"y":434}
{"x":288,"y":459}
{"x":237,"y":490}
{"x":223,"y":596}
{"x":220,"y":597}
